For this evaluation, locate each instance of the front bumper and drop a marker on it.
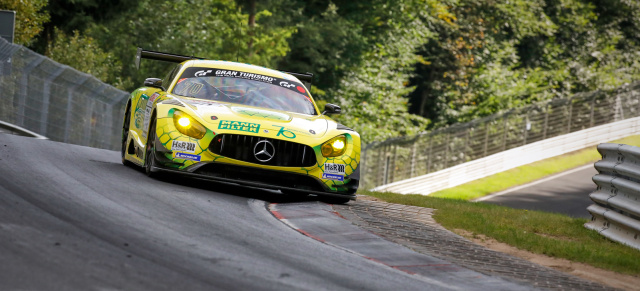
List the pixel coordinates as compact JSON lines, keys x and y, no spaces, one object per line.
{"x":257,"y":177}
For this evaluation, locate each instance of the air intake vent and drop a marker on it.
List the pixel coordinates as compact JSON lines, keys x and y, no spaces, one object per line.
{"x":263,"y":151}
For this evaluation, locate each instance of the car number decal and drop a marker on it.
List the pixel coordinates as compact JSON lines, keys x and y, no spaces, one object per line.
{"x":334,"y":168}
{"x":183,"y":146}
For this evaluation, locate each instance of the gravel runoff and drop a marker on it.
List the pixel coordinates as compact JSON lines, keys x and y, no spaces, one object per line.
{"x":415,"y":228}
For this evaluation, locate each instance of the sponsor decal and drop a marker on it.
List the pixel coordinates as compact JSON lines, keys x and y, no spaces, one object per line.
{"x":138,"y":115}
{"x":187,"y":156}
{"x":202,"y":73}
{"x":284,"y":132}
{"x":287,"y":84}
{"x":147,"y":113}
{"x":334,"y":168}
{"x":333,"y":177}
{"x":195,"y":72}
{"x":180,"y":81}
{"x":204,"y":103}
{"x":183,"y":146}
{"x":238,"y":125}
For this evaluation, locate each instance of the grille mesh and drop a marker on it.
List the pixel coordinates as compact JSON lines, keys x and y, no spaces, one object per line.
{"x":241,"y":147}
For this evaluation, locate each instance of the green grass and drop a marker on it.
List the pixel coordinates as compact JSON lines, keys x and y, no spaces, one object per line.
{"x":550,"y":234}
{"x":527,"y":173}
{"x":539,"y":232}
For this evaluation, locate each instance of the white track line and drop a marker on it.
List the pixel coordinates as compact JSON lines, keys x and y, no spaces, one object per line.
{"x":533,"y":183}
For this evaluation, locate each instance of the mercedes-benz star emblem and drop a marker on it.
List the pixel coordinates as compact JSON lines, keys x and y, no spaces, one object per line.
{"x":264,"y":151}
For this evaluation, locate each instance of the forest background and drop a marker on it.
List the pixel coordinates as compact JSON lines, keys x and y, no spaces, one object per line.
{"x":396,"y":67}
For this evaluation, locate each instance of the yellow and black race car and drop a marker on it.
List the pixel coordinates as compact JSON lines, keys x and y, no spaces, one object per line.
{"x":239,"y":123}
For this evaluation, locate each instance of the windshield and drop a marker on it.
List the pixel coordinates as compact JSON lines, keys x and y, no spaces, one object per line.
{"x":244,"y":88}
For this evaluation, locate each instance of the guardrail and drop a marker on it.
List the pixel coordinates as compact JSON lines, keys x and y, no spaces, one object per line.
{"x":616,"y":212}
{"x":57,"y":101}
{"x":409,"y":157}
{"x":513,"y":158}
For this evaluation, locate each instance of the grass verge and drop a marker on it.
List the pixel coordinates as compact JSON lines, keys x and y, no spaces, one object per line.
{"x":539,"y":232}
{"x":527,"y":173}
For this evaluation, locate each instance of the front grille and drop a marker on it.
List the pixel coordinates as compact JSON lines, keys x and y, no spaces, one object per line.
{"x":241,"y":147}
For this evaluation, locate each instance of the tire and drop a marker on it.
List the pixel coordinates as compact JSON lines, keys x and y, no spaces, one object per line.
{"x":150,"y":151}
{"x":125,"y":137}
{"x":335,"y":200}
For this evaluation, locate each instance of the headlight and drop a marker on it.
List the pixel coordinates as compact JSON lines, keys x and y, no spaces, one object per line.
{"x":335,"y":147}
{"x":187,"y":125}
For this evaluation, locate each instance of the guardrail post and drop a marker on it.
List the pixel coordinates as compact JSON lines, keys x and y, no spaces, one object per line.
{"x":24,"y":81}
{"x":413,"y":159}
{"x":527,"y":126}
{"x":504,"y":132}
{"x":393,"y":165}
{"x":570,"y":115}
{"x":446,"y":151}
{"x":486,"y":138}
{"x":47,"y":96}
{"x":429,"y":155}
{"x":592,"y":113}
{"x":72,"y":89}
{"x":546,"y":122}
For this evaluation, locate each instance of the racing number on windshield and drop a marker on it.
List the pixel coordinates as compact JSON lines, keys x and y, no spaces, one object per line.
{"x":190,"y":88}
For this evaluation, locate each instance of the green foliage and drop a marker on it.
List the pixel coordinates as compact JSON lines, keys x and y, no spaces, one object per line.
{"x":498,"y":55}
{"x":87,"y":56}
{"x":215,"y":29}
{"x":30,"y":18}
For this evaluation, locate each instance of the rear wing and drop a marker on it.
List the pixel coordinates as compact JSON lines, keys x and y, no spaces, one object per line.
{"x":306,"y":78}
{"x":160,"y":56}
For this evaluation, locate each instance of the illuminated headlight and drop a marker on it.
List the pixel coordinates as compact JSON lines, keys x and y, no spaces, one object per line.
{"x":335,"y":147}
{"x":187,"y":125}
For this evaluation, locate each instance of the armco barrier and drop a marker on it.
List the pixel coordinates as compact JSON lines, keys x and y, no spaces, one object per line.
{"x":513,"y":158}
{"x":616,"y":212}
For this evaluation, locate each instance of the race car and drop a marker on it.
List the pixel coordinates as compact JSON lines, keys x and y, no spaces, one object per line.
{"x":239,"y":123}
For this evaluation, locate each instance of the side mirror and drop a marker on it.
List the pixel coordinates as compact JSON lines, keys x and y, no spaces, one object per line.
{"x":154,"y":82}
{"x":331,"y":109}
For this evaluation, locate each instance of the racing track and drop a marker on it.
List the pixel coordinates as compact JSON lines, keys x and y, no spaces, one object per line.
{"x":75,"y":218}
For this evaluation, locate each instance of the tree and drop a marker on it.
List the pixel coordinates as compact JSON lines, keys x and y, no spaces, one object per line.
{"x":30,"y":18}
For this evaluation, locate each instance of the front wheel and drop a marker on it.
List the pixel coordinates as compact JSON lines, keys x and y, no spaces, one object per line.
{"x":150,"y":152}
{"x":335,"y":200}
{"x":125,"y":137}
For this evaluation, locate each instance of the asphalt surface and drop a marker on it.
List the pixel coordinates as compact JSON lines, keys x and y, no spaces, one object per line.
{"x":566,"y":193}
{"x":75,"y":218}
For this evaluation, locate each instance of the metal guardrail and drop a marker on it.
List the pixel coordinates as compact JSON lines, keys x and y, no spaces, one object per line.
{"x":509,"y":159}
{"x":57,"y":101}
{"x":616,"y":212}
{"x":408,"y":157}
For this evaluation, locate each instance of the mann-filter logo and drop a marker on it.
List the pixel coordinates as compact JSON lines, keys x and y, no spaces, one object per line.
{"x":334,"y":168}
{"x":240,"y":126}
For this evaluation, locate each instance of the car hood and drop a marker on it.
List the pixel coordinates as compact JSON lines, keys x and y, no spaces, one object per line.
{"x":272,"y":122}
